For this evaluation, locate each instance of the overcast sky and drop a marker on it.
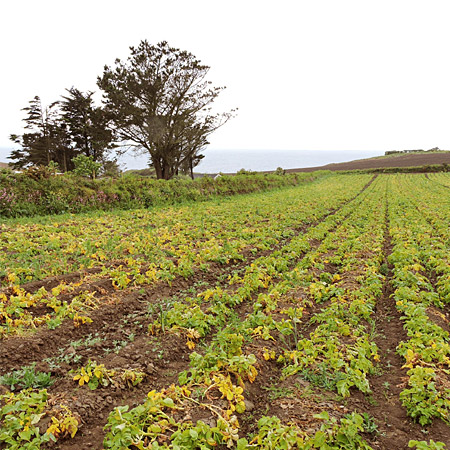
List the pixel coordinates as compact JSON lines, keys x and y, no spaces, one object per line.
{"x":322,"y":74}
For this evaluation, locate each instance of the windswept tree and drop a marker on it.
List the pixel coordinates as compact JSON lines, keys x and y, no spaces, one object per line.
{"x":159,"y":101}
{"x":61,"y":131}
{"x":45,"y":140}
{"x":87,"y":124}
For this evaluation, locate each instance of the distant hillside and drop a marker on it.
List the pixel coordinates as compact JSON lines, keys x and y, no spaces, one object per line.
{"x":3,"y":165}
{"x":402,"y":160}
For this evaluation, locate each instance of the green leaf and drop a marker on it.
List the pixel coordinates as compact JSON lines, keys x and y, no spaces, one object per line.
{"x":242,"y":444}
{"x":323,"y":416}
{"x":168,"y":402}
{"x":320,"y":438}
{"x":26,"y":435}
{"x":193,"y":434}
{"x":35,"y":418}
{"x":183,"y":377}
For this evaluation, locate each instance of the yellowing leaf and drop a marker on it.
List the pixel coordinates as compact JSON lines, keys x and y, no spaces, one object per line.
{"x":252,"y":372}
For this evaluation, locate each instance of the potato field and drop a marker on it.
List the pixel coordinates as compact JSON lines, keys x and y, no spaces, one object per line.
{"x":309,"y":317}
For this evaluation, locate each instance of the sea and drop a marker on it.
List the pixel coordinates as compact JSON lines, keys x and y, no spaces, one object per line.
{"x":230,"y":161}
{"x":233,"y":160}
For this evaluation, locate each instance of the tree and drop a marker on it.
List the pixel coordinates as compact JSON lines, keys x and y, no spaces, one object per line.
{"x":85,"y":166}
{"x":87,"y":124}
{"x":47,"y":139}
{"x":61,"y":131}
{"x":159,"y":102}
{"x":110,"y":168}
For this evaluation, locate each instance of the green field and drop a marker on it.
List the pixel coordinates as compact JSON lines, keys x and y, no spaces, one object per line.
{"x":307,"y":317}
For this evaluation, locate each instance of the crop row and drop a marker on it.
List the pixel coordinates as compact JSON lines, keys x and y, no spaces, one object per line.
{"x":421,"y":278}
{"x":340,"y":350}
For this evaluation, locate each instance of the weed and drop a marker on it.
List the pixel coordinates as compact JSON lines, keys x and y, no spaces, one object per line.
{"x":322,"y":377}
{"x":156,"y":344}
{"x":118,"y":345}
{"x":89,"y":341}
{"x":199,"y":393}
{"x":304,"y":390}
{"x":26,"y":378}
{"x":278,"y":392}
{"x":378,"y":370}
{"x":170,"y":373}
{"x":384,"y":269}
{"x":371,"y":400}
{"x":373,"y":333}
{"x":63,"y":358}
{"x":162,"y":318}
{"x":369,"y":423}
{"x":200,"y":284}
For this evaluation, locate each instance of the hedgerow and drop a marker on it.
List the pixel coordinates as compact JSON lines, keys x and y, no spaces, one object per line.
{"x":22,"y":195}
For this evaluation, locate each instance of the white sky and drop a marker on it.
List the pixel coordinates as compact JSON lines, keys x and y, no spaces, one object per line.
{"x":322,"y":74}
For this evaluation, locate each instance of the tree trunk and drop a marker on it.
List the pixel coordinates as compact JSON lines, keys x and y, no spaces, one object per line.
{"x":166,"y":173}
{"x":47,"y":141}
{"x":158,"y":168}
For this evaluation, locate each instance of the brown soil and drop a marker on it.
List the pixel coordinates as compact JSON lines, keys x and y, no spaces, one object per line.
{"x":407,"y":160}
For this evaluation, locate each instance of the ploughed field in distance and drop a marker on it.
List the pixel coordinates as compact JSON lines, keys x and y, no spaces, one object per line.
{"x":306,"y":317}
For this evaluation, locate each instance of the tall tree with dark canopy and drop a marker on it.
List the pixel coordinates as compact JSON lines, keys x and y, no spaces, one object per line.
{"x":160,"y":102}
{"x":87,"y":124}
{"x":47,"y":139}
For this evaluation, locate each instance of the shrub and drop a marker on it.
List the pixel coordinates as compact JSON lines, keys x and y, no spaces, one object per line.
{"x":85,"y":166}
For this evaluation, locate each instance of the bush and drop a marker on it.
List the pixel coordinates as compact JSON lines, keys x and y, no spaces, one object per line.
{"x":85,"y":166}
